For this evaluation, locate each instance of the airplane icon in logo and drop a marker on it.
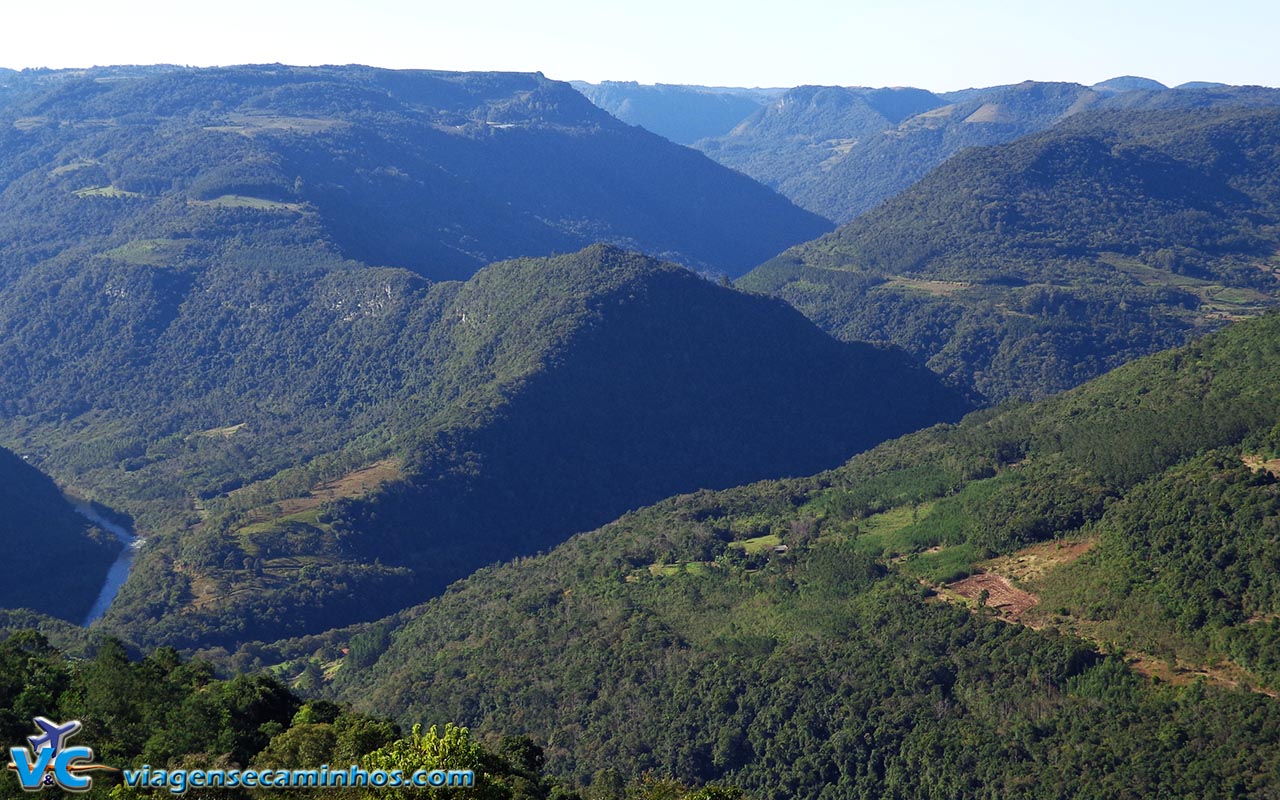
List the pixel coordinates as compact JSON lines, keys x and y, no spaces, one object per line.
{"x":54,"y":734}
{"x":52,"y":761}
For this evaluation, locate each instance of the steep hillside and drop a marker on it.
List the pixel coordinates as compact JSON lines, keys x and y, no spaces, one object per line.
{"x":308,"y":448}
{"x":436,"y":172}
{"x":810,"y":638}
{"x":841,"y":152}
{"x":683,"y":114}
{"x":55,"y":560}
{"x":800,"y":131}
{"x":1027,"y":268}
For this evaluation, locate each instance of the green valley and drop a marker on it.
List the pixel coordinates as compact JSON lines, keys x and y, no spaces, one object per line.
{"x":467,"y":423}
{"x":836,"y":667}
{"x":308,"y":449}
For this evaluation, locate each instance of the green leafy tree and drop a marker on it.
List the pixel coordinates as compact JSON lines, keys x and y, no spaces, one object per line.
{"x":450,"y":749}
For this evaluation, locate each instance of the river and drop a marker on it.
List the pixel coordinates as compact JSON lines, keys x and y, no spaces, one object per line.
{"x":119,"y":571}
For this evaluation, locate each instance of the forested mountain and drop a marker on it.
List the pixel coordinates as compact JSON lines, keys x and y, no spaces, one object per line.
{"x":1029,"y":267}
{"x":55,"y":559}
{"x":816,"y":637}
{"x":683,"y":114}
{"x":311,"y":446}
{"x":436,"y":172}
{"x":1128,"y":83}
{"x":161,"y":714}
{"x":252,"y":309}
{"x":841,"y":152}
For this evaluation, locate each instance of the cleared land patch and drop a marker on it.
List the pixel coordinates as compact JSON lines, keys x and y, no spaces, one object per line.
{"x":256,"y":124}
{"x":1257,"y":463}
{"x":104,"y":191}
{"x":883,"y":534}
{"x":1002,"y":595}
{"x":759,"y":544}
{"x":354,"y":484}
{"x":937,"y":288}
{"x":1018,"y":605}
{"x":998,"y":577}
{"x":221,"y":433}
{"x":1182,"y":673}
{"x":1225,"y":302}
{"x":242,"y":201}
{"x":150,"y":252}
{"x":1032,"y":563}
{"x":1149,"y":275}
{"x":79,"y":163}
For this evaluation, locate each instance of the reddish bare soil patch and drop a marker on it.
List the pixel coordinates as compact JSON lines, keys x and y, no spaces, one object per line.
{"x":1001,"y":594}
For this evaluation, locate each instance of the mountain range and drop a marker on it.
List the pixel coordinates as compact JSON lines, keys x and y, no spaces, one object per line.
{"x":1025,"y":268}
{"x":434,"y":399}
{"x":683,"y":114}
{"x":436,"y":172}
{"x":840,"y":152}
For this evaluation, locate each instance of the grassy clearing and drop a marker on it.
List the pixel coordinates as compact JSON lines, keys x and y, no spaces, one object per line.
{"x":356,"y":483}
{"x":683,"y":567}
{"x":150,"y":252}
{"x":1148,"y":275}
{"x":309,"y":517}
{"x":256,"y":124}
{"x":759,"y":544}
{"x":241,"y":201}
{"x":104,"y":191}
{"x":888,"y":534}
{"x":990,"y":112}
{"x":79,"y":163}
{"x":1034,"y":562}
{"x":221,"y":433}
{"x":1236,"y":297}
{"x":1214,"y":296}
{"x":939,"y":565}
{"x":936,"y":288}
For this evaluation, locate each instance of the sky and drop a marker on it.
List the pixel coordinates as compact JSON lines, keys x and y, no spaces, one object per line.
{"x":926,"y":43}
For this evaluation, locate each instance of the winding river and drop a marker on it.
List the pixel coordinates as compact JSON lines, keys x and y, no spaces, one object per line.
{"x":120,"y":569}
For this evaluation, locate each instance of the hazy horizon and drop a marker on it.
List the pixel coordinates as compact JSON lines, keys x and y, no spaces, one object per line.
{"x":621,"y":80}
{"x":920,"y":43}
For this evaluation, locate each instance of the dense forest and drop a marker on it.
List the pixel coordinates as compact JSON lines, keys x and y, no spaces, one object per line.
{"x":436,"y":172}
{"x":310,"y":448}
{"x":168,"y":714}
{"x":598,"y":525}
{"x":1026,"y":268}
{"x":810,"y":638}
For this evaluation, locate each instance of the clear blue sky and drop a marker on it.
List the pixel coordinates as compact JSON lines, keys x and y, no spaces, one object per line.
{"x":935,"y":45}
